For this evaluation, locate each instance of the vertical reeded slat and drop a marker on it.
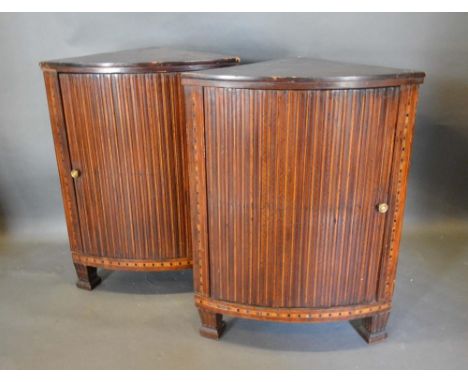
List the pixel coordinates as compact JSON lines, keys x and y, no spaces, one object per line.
{"x":293,"y":179}
{"x":127,"y":137}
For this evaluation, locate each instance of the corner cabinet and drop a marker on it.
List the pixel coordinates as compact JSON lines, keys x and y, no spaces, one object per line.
{"x":119,"y":131}
{"x":298,"y":171}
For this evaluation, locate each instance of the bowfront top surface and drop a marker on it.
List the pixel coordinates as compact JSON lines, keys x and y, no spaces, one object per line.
{"x":302,"y":72}
{"x":141,"y":60}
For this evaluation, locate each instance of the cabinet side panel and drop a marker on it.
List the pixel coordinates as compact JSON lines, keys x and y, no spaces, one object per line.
{"x":293,"y":181}
{"x":397,"y":191}
{"x":59,"y":134}
{"x":127,"y":137}
{"x":197,"y":180}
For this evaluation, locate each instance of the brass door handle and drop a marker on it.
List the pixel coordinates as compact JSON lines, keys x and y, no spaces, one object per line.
{"x":382,"y":207}
{"x":75,"y":173}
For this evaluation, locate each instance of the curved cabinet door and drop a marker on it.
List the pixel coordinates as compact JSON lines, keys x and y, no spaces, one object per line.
{"x":126,"y":141}
{"x":294,"y":180}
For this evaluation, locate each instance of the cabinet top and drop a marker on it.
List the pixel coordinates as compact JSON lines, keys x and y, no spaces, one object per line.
{"x":302,"y":73}
{"x":141,"y":60}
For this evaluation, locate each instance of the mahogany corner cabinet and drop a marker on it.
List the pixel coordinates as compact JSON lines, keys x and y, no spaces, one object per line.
{"x":298,"y":171}
{"x":118,"y":124}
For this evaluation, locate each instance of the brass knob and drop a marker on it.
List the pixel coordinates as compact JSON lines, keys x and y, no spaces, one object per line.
{"x":75,"y":173}
{"x":382,"y":207}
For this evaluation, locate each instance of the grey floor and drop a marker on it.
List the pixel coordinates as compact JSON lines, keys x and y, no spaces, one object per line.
{"x":147,"y":320}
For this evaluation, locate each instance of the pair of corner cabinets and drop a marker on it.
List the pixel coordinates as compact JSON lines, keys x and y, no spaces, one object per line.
{"x":282,"y":182}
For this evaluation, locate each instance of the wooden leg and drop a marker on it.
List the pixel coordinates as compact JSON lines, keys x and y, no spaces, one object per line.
{"x":212,"y":324}
{"x":372,"y":328}
{"x":87,"y":277}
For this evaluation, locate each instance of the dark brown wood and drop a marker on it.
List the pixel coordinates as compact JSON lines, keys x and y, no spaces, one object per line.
{"x":267,"y":205}
{"x":59,"y":134}
{"x":148,"y":60}
{"x":124,"y":134}
{"x":87,"y":277}
{"x":212,"y":324}
{"x":372,"y":329}
{"x":398,"y":185}
{"x":303,"y":73}
{"x":197,"y":180}
{"x":285,"y":188}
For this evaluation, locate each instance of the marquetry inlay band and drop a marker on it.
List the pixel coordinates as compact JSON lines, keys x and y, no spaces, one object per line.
{"x":142,"y":265}
{"x":291,"y":314}
{"x":399,"y":198}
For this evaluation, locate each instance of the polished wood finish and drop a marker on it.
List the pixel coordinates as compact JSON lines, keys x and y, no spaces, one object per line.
{"x":124,"y":137}
{"x":290,"y":169}
{"x":279,"y":314}
{"x":267,"y":205}
{"x":372,"y":329}
{"x":118,"y":123}
{"x":147,"y":60}
{"x":303,"y":73}
{"x":212,"y":324}
{"x":87,"y":276}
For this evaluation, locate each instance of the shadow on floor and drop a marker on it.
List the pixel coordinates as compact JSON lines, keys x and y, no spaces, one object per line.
{"x":312,"y":337}
{"x":146,"y":283}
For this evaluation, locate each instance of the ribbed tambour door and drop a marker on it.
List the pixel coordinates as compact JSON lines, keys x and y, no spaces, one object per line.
{"x":293,"y":181}
{"x":126,"y":137}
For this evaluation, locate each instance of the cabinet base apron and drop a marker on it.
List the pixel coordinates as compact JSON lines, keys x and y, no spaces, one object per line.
{"x":369,"y":320}
{"x":86,"y":267}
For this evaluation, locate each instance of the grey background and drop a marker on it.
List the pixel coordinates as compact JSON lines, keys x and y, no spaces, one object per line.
{"x":30,"y":202}
{"x":46,"y":322}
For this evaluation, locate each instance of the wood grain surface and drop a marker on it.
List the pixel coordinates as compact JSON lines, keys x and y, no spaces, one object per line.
{"x":293,"y":181}
{"x":126,"y":138}
{"x":118,"y":122}
{"x":287,"y":174}
{"x":145,"y":60}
